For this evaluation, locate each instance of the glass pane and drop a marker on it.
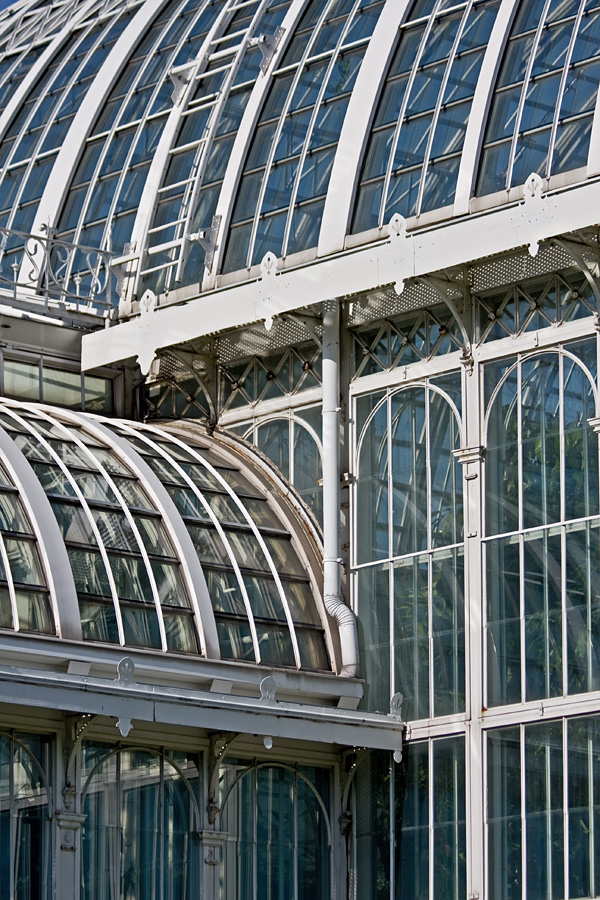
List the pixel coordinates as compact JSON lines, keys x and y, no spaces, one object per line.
{"x":582,"y":563}
{"x":140,"y":627}
{"x":502,"y":460}
{"x":580,"y":444}
{"x":411,"y":782}
{"x":374,"y":635}
{"x":448,"y":632}
{"x":33,"y":609}
{"x":235,"y":640}
{"x":61,"y":388}
{"x":446,"y":474}
{"x":584,"y":808}
{"x":409,"y":471}
{"x":411,"y":636}
{"x":449,"y":832}
{"x":12,"y":515}
{"x":180,"y":631}
{"x":504,"y":834}
{"x":24,"y":562}
{"x":98,"y":621}
{"x":543,"y":615}
{"x":372,"y":490}
{"x":22,"y":380}
{"x":540,"y":424}
{"x":503,"y":622}
{"x":544,"y":811}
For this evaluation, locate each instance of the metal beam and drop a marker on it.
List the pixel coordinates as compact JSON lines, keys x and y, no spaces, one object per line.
{"x":127,"y":700}
{"x":409,"y":255}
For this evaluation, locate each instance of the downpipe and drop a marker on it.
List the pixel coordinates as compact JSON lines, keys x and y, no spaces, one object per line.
{"x":332,"y":561}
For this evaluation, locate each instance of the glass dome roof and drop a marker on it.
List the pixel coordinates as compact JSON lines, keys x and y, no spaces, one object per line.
{"x":191,"y":137}
{"x":154,"y":537}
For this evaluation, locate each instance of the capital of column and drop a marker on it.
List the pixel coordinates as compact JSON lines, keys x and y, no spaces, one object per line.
{"x":69,"y":824}
{"x":595,"y":424}
{"x":466,"y":455}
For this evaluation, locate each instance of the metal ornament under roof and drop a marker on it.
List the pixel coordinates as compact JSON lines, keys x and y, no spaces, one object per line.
{"x":155,"y":537}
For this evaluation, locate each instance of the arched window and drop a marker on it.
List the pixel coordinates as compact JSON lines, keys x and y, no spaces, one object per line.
{"x":279,"y":833}
{"x":542,"y":546}
{"x":409,"y":537}
{"x":293,"y":444}
{"x":25,"y":810}
{"x":139,"y":838}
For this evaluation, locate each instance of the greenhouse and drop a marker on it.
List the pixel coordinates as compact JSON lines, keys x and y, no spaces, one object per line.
{"x":299,"y":450}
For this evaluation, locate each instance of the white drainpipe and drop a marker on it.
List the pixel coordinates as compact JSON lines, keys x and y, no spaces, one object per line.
{"x":331,"y":491}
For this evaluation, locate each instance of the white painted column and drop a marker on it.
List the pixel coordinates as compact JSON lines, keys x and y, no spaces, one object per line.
{"x":471,"y":456}
{"x":484,"y":91}
{"x":212,"y":858}
{"x":356,"y":128}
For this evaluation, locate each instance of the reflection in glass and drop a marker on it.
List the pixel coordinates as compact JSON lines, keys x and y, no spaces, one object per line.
{"x":141,"y":797}
{"x":277,"y":821}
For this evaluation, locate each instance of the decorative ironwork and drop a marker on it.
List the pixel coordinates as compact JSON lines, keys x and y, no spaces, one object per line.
{"x":43,"y":266}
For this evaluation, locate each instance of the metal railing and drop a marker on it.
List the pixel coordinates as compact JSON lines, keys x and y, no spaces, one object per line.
{"x":58,"y":272}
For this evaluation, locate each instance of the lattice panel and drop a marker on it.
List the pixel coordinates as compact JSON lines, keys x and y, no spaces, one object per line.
{"x":257,"y":341}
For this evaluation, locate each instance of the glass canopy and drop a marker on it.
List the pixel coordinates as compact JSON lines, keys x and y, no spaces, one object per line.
{"x":194,"y":136}
{"x":175,"y":542}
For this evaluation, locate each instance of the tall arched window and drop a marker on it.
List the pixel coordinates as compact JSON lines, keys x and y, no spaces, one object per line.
{"x":409,"y":533}
{"x":279,"y":833}
{"x":542,"y":547}
{"x":140,"y":835}
{"x":25,"y":810}
{"x":293,"y":443}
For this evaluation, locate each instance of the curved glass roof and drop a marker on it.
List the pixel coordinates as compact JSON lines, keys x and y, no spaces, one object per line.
{"x":194,"y":136}
{"x":169,"y":540}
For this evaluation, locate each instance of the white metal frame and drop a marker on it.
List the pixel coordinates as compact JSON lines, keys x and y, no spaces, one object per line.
{"x":355,"y":130}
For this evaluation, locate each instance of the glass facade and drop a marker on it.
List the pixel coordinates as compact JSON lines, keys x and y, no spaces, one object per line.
{"x":177,"y":718}
{"x":126,"y":555}
{"x":214,"y":130}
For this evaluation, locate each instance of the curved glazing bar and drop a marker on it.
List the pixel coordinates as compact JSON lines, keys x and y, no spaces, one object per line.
{"x":261,"y":594}
{"x":290,"y":158}
{"x":125,"y":570}
{"x":25,"y":603}
{"x":293,"y":444}
{"x":355,"y":131}
{"x":31,"y":143}
{"x":412,"y":159}
{"x":102,"y":202}
{"x":191,"y":570}
{"x":217,"y":98}
{"x":542,"y":110}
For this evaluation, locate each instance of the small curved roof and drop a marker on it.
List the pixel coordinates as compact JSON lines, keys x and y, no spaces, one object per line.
{"x":156,"y":537}
{"x":195,"y":136}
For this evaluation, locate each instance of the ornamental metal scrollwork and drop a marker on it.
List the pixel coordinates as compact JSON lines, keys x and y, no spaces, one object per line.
{"x":42,"y":266}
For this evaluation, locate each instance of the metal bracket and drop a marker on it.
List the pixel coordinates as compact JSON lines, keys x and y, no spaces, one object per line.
{"x":440,"y":287}
{"x":345,"y":819}
{"x":181,"y":77}
{"x":396,"y":706}
{"x":207,"y":238}
{"x":575,"y":251}
{"x":267,"y":44}
{"x":219,"y":745}
{"x":77,"y":725}
{"x":187,"y":360}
